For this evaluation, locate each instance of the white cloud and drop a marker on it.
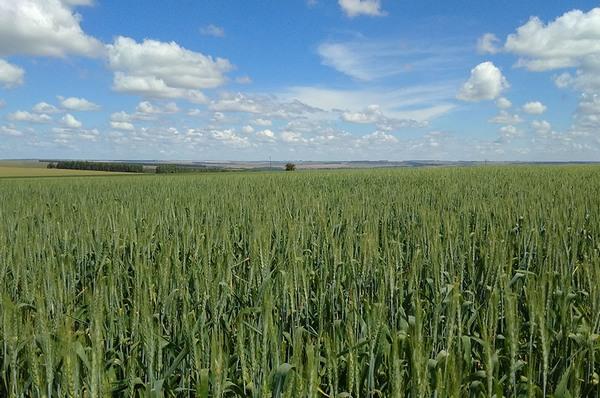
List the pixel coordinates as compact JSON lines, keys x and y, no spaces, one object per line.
{"x":164,"y":70}
{"x":373,"y":115}
{"x":170,"y":107}
{"x":44,"y":28}
{"x":378,"y":137}
{"x":568,"y":41}
{"x":262,"y":122}
{"x":267,"y":106}
{"x":24,"y":116}
{"x":541,"y":127}
{"x":69,"y":121}
{"x":78,"y":104}
{"x":504,"y":117}
{"x":587,"y":115}
{"x":343,"y":59}
{"x":354,"y":8}
{"x":44,"y":107}
{"x":509,"y":132}
{"x":248,"y":129}
{"x":236,"y":103}
{"x":534,"y":108}
{"x":230,"y":138}
{"x":121,"y":116}
{"x":370,"y":115}
{"x":369,"y":60}
{"x":488,"y":44}
{"x":67,"y":135}
{"x":563,"y":80}
{"x":503,"y":103}
{"x":292,"y":137}
{"x":218,"y":117}
{"x":10,"y":130}
{"x":420,"y":103}
{"x":148,"y":108}
{"x":10,"y":75}
{"x":212,"y":30}
{"x":266,"y":134}
{"x":486,"y":83}
{"x":125,"y":126}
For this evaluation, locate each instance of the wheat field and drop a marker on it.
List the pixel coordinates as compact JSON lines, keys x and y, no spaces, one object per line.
{"x":445,"y":282}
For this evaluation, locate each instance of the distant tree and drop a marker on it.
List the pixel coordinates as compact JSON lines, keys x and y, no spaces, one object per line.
{"x":98,"y":166}
{"x":290,"y":167}
{"x":166,"y":169}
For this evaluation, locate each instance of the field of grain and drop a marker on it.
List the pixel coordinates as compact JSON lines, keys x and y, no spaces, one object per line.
{"x":457,"y":282}
{"x":10,"y":171}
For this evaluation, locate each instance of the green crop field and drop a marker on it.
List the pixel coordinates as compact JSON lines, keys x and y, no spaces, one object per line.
{"x":461,"y":282}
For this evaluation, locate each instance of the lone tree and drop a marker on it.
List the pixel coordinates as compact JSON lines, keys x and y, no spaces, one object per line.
{"x":290,"y":167}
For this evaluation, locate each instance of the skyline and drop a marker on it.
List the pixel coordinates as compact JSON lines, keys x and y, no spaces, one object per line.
{"x":305,"y":80}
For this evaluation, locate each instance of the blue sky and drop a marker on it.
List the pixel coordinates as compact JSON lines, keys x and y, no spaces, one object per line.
{"x":300,"y":79}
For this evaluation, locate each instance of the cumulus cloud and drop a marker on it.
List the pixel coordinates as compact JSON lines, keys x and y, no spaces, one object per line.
{"x":164,"y":70}
{"x":78,"y":104}
{"x":247,"y":129}
{"x":266,"y":105}
{"x":68,"y":136}
{"x":534,"y":108}
{"x":377,"y":137}
{"x":230,"y":138}
{"x":587,"y":115}
{"x":541,"y":127}
{"x":125,"y":126}
{"x":266,"y":134}
{"x":509,"y":132}
{"x":10,"y":130}
{"x":504,"y":117}
{"x":292,"y":137}
{"x":69,"y":121}
{"x":485,"y":83}
{"x":148,"y":108}
{"x":570,"y":40}
{"x":212,"y":30}
{"x":262,"y":122}
{"x":370,"y":115}
{"x":503,"y":103}
{"x":374,"y":115}
{"x":10,"y":75}
{"x":354,"y":8}
{"x":24,"y":116}
{"x":44,"y":107}
{"x":488,"y":44}
{"x":44,"y":28}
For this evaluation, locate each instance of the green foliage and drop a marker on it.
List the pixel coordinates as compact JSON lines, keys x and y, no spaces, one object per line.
{"x":97,"y":166}
{"x":463,"y":282}
{"x":166,"y":169}
{"x":290,"y":167}
{"x":170,"y":168}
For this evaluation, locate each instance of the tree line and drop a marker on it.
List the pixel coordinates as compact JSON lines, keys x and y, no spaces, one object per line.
{"x":97,"y":166}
